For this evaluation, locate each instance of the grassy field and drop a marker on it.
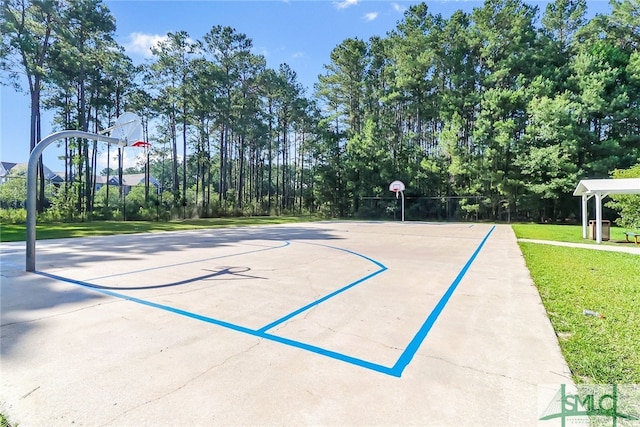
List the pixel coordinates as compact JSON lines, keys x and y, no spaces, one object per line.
{"x":570,"y":280}
{"x":564,"y":233}
{"x":17,"y":232}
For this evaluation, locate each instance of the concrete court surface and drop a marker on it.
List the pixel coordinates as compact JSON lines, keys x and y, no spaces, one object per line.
{"x":328,"y":323}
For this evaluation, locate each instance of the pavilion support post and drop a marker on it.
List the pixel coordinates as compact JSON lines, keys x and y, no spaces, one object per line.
{"x":598,"y":218}
{"x":585,"y":215}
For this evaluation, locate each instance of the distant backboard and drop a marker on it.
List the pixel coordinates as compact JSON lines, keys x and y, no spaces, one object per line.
{"x":396,"y":186}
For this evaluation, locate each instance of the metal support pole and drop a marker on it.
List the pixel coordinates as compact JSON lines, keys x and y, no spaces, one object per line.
{"x":32,"y":169}
{"x":402,"y":194}
{"x":585,"y":215}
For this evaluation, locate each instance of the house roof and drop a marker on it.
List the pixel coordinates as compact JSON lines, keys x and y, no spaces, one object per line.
{"x":102,"y":179}
{"x":49,"y":175}
{"x":5,"y":167}
{"x":130,"y":179}
{"x":133,"y":179}
{"x":608,"y":186}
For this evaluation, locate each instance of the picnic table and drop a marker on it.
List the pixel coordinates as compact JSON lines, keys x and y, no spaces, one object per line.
{"x":628,"y":234}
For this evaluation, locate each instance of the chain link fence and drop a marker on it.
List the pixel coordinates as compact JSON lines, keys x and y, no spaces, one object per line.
{"x":452,"y":208}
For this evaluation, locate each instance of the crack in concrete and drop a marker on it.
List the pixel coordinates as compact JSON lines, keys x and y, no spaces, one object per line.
{"x":357,"y":336}
{"x":185,"y":384}
{"x":29,"y":393}
{"x":482,"y":371}
{"x":310,"y":283}
{"x":182,"y":292}
{"x":19,"y":322}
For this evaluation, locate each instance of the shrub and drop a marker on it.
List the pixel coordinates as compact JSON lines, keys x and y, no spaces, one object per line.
{"x":13,"y":216}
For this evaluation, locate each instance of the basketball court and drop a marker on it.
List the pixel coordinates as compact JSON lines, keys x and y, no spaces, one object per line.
{"x":328,"y":323}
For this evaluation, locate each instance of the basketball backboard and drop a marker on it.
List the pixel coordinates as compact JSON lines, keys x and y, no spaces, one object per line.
{"x":396,"y":186}
{"x":128,"y":129}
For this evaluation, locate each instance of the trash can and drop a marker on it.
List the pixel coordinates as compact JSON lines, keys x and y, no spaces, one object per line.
{"x":606,"y":229}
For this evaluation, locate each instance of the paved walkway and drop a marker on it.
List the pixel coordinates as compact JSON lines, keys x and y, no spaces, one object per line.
{"x":433,"y":324}
{"x":631,"y":248}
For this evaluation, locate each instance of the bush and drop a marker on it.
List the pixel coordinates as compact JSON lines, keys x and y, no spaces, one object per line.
{"x":369,"y":212}
{"x":51,"y":215}
{"x":13,"y":216}
{"x":65,"y":201}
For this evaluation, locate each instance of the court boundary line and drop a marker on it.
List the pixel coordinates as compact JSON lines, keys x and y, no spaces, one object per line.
{"x":406,"y":356}
{"x":396,"y":370}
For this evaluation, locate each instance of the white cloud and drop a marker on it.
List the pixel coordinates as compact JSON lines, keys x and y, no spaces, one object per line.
{"x":345,"y":4}
{"x":370,"y":16}
{"x":133,"y":157}
{"x":141,"y":43}
{"x":296,"y":55}
{"x":261,"y":50}
{"x":398,"y":8}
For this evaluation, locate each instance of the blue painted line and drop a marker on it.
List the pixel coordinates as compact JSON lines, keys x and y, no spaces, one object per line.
{"x":148,"y":303}
{"x":297,"y":344}
{"x":378,"y":263}
{"x":332,"y":354}
{"x":321,"y":300}
{"x":414,"y":345}
{"x":283,"y":319}
{"x":253,"y":251}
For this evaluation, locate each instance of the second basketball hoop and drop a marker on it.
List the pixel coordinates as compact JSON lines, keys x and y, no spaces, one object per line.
{"x":398,"y":188}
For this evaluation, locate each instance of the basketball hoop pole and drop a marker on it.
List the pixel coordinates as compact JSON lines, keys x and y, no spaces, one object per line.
{"x":131,"y":133}
{"x":398,"y":187}
{"x":32,"y":183}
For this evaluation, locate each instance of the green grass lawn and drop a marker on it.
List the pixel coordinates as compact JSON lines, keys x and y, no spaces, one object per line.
{"x":570,"y":280}
{"x":17,"y":232}
{"x":3,"y":421}
{"x":564,"y":233}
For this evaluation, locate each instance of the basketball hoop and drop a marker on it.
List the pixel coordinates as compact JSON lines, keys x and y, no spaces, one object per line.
{"x":398,"y":188}
{"x":128,"y":129}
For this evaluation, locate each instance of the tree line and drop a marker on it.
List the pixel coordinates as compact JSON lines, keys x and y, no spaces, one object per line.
{"x":498,"y":111}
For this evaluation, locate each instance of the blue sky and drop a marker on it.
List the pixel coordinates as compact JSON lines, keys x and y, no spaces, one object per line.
{"x":301,"y":33}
